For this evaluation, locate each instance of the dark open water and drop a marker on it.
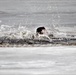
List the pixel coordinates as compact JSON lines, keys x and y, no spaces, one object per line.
{"x":26,"y":15}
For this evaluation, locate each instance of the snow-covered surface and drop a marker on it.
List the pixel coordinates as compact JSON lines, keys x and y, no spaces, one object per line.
{"x":59,"y":60}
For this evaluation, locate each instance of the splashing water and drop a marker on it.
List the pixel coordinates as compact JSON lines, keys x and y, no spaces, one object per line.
{"x":20,"y":33}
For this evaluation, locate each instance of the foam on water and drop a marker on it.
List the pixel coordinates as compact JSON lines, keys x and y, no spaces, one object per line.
{"x":15,"y":33}
{"x":21,"y":35}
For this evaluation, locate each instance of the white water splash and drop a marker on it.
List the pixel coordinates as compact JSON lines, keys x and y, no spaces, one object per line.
{"x":20,"y":33}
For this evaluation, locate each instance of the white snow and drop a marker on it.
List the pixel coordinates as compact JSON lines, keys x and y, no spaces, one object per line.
{"x":38,"y":60}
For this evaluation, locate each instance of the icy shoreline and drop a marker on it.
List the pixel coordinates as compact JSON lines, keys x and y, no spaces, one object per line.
{"x":38,"y":61}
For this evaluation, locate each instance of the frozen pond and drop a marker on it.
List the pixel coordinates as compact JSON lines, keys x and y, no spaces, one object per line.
{"x":38,"y":61}
{"x":24,"y":16}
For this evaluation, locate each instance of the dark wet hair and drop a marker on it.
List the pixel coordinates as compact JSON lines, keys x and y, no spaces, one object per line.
{"x":39,"y":30}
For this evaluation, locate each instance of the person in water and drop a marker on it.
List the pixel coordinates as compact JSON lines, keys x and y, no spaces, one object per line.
{"x":42,"y":32}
